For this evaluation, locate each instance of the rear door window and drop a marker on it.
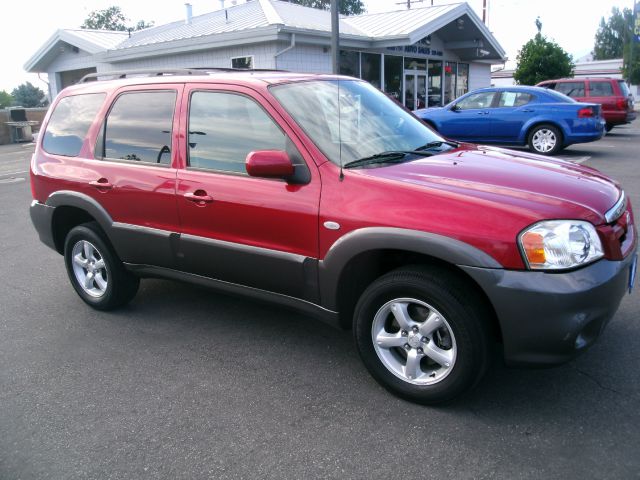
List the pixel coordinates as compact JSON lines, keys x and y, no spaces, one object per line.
{"x":600,"y":89}
{"x":70,"y":122}
{"x":571,"y":89}
{"x":514,"y":99}
{"x":138,"y":128}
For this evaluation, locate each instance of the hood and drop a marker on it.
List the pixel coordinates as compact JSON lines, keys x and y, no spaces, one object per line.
{"x":536,"y":187}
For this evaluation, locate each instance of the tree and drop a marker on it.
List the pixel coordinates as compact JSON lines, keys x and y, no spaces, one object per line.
{"x":540,"y":59}
{"x":6,"y":100}
{"x":111,"y":18}
{"x":346,"y":7}
{"x":28,"y":95}
{"x":613,"y":34}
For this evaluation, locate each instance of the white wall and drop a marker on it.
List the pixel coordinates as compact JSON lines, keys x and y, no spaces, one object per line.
{"x":262,"y":58}
{"x":479,"y":75}
{"x":305,"y":58}
{"x":64,"y":61}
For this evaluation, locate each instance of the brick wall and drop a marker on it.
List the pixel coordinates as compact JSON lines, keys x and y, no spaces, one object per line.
{"x":33,"y":114}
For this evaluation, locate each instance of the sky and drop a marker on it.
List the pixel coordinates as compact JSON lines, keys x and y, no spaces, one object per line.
{"x":27,"y":26}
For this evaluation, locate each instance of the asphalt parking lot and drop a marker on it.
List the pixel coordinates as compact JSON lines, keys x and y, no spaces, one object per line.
{"x":187,"y":383}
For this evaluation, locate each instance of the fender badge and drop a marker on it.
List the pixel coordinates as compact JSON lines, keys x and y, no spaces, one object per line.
{"x":332,"y":226}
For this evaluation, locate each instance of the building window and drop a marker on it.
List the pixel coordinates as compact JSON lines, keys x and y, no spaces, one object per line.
{"x":349,"y":63}
{"x":225,"y":127}
{"x":138,"y":128}
{"x":371,"y":68}
{"x":415,"y":63}
{"x":450,"y":73}
{"x":70,"y":122}
{"x":242,"y":62}
{"x":434,"y":84}
{"x":393,"y":73}
{"x":462,"y":81}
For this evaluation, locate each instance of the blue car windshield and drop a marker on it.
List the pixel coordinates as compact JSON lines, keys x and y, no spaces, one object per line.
{"x":367,"y":122}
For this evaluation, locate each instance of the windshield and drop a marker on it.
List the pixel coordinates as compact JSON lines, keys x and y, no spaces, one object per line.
{"x":368,"y":123}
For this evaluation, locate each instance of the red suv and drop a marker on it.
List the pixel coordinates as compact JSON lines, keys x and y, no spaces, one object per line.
{"x":613,"y":94}
{"x":321,"y":194}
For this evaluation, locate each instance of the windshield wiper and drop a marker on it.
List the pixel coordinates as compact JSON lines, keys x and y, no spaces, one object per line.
{"x":438,"y":143}
{"x":392,"y":156}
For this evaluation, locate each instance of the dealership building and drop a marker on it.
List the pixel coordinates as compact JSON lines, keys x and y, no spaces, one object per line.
{"x":423,"y":56}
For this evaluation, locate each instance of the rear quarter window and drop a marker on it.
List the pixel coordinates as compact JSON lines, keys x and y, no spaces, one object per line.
{"x":600,"y":89}
{"x":70,"y":122}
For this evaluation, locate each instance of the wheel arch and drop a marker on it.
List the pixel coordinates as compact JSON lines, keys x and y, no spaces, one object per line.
{"x":71,"y":210}
{"x":538,"y":122}
{"x":360,"y":257}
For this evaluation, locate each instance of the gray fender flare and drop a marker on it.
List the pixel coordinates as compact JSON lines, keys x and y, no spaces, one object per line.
{"x":67,"y":198}
{"x":388,"y":238}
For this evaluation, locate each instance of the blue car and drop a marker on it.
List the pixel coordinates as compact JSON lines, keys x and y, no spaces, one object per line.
{"x":543,"y":119}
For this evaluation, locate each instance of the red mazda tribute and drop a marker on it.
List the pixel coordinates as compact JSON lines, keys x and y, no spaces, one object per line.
{"x":319,"y":193}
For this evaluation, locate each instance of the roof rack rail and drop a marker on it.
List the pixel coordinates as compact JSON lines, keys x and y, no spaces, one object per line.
{"x":172,"y":71}
{"x":148,"y":72}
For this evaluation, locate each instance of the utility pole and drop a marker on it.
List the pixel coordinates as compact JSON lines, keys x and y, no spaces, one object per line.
{"x":335,"y":37}
{"x":635,"y":27}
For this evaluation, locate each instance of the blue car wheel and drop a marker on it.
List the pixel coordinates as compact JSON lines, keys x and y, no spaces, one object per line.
{"x":545,"y":140}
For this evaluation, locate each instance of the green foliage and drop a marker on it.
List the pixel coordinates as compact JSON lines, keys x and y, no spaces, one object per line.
{"x":613,"y":34}
{"x":346,"y":7}
{"x":6,"y":100}
{"x":28,"y":95}
{"x":111,"y":18}
{"x":540,"y":59}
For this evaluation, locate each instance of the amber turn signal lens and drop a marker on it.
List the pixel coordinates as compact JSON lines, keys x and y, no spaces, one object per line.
{"x":533,"y":245}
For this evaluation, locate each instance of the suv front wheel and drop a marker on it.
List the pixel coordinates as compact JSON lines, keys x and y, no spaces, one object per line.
{"x":95,"y":271}
{"x":422,"y":334}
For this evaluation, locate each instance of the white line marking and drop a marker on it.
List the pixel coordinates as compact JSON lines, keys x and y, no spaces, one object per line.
{"x":3,"y":174}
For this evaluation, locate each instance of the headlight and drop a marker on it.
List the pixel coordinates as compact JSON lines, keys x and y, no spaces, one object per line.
{"x":560,"y":244}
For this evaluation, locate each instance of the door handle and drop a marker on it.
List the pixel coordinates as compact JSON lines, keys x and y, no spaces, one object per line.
{"x":199,"y":197}
{"x":528,"y":110}
{"x":483,"y":113}
{"x":101,"y":184}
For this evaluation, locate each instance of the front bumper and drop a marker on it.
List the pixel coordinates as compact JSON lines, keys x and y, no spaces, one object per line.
{"x":549,"y":318}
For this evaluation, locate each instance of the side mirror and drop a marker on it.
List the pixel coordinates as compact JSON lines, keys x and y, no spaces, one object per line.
{"x":455,"y":107}
{"x":269,"y":164}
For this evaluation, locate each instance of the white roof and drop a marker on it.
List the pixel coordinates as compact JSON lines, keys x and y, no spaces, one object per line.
{"x":91,"y":41}
{"x":261,"y":20}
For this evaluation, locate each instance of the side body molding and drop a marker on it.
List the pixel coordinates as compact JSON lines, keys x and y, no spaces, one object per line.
{"x":388,"y":238}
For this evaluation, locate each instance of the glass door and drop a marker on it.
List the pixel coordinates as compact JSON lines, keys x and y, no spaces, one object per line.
{"x":410,"y":91}
{"x":415,"y":93}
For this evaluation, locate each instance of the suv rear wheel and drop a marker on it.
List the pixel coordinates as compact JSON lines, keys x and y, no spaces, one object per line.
{"x":421,"y":334}
{"x":95,"y":271}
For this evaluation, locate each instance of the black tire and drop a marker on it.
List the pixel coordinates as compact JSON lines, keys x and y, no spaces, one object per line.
{"x":608,"y":127}
{"x":465,"y":321}
{"x":545,"y":140}
{"x":109,"y":284}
